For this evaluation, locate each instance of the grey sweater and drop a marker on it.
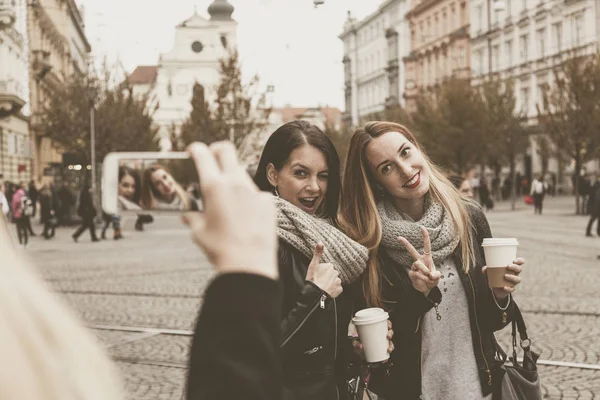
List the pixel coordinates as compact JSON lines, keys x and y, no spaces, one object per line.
{"x":448,"y":360}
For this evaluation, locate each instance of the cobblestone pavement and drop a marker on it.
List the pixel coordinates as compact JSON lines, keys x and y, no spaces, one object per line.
{"x":155,"y":279}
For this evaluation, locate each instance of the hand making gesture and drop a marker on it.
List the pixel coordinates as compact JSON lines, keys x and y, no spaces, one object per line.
{"x":423,"y":274}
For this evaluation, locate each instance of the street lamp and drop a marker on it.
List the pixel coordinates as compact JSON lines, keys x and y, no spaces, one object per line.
{"x":92,"y":94}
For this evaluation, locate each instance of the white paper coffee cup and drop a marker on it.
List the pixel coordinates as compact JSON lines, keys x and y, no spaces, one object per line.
{"x":372,"y":327}
{"x":499,"y":253}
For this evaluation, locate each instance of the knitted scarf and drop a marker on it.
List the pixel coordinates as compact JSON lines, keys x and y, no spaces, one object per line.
{"x":304,"y":232}
{"x":440,"y":226}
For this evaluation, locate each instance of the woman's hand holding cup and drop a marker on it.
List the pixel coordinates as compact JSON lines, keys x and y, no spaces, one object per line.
{"x":359,"y":348}
{"x":423,"y":274}
{"x":511,"y":277}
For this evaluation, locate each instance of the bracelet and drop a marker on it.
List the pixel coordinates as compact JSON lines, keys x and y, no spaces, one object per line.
{"x":496,"y":301}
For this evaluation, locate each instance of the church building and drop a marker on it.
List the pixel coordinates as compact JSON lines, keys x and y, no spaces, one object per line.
{"x":199,"y":45}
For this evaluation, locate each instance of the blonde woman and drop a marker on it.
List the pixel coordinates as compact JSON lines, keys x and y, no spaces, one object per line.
{"x":426,"y":266}
{"x":161,"y":192}
{"x":46,"y":353}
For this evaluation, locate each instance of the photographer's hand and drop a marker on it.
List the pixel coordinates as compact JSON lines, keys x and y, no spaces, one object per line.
{"x":237,"y":228}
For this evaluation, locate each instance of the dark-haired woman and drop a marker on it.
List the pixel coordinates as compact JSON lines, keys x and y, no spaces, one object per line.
{"x":301,"y":167}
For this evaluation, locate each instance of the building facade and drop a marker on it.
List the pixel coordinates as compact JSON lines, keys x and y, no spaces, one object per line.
{"x":58,"y":48}
{"x":523,"y":41}
{"x":199,"y":45}
{"x":15,"y":145}
{"x":439,"y":43}
{"x":373,"y":52}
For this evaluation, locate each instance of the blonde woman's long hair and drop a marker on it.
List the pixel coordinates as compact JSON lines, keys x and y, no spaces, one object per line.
{"x":360,"y":220}
{"x":149,"y":192}
{"x":46,"y":353}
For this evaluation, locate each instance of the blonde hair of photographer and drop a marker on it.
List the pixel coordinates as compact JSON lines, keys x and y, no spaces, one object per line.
{"x":149,"y":194}
{"x":359,"y":218}
{"x":46,"y":353}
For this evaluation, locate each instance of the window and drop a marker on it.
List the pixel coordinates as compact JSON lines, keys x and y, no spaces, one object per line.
{"x":480,"y":61}
{"x":12,"y":143}
{"x":525,"y":100}
{"x":524,"y":47}
{"x":421,"y":32}
{"x":509,"y":51}
{"x":444,"y":22}
{"x":479,"y":18}
{"x":578,"y":29}
{"x":496,"y":57}
{"x":542,"y":42}
{"x":557,"y":28}
{"x":541,"y":89}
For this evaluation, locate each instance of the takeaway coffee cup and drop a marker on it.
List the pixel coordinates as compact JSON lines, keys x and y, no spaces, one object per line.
{"x":372,"y":327}
{"x":499,"y":253}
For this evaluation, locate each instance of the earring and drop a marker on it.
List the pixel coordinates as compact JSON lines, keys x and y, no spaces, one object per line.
{"x":276,"y":191}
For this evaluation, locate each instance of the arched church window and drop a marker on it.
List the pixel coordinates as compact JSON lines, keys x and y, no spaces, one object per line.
{"x":224,"y":40}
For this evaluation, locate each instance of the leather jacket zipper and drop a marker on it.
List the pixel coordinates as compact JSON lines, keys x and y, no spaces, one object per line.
{"x":321,"y":302}
{"x":337,"y":393}
{"x":489,"y":372}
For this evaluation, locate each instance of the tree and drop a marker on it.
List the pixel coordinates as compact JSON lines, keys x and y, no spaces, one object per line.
{"x":199,"y":127}
{"x":450,"y":124}
{"x":505,"y":137}
{"x":122,"y":121}
{"x":237,"y":111}
{"x":571,"y":112}
{"x":341,"y":141}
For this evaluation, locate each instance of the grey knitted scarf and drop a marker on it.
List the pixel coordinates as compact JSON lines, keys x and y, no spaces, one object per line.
{"x":437,"y":221}
{"x":304,"y":232}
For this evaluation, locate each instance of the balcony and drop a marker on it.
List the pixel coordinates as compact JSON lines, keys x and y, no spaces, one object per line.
{"x":8,"y":14}
{"x":10,"y":98}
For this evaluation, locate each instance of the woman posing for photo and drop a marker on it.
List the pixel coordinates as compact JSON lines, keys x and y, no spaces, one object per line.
{"x":426,"y":266}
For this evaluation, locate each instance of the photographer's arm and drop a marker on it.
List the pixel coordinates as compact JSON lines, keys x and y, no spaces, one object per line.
{"x":235,"y":352}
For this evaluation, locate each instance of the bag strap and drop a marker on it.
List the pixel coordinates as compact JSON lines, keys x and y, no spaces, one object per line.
{"x":518,"y":324}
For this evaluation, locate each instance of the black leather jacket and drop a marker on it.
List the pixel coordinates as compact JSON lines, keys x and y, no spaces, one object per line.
{"x":402,"y":379}
{"x":315,"y":346}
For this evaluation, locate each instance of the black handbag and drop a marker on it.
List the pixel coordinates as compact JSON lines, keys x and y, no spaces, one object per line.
{"x":520,"y":380}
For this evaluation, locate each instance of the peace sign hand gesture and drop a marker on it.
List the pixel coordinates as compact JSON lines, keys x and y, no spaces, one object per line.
{"x":423,"y":274}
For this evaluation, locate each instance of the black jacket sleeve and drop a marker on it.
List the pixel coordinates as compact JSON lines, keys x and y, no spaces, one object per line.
{"x":492,"y":317}
{"x":235,"y":351}
{"x":304,"y":304}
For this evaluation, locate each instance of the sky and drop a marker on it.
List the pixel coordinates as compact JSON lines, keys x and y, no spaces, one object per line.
{"x":291,"y":44}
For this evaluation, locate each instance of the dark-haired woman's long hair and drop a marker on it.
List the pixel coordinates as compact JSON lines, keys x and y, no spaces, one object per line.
{"x":125,"y":171}
{"x":284,"y":141}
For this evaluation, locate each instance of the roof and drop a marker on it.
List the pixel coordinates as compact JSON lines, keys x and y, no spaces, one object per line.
{"x":143,"y":74}
{"x":332,"y":115}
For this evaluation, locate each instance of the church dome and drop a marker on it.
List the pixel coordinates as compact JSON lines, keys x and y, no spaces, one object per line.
{"x":220,"y":10}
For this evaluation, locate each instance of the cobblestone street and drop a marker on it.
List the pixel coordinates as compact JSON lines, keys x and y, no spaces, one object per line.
{"x":140,"y":296}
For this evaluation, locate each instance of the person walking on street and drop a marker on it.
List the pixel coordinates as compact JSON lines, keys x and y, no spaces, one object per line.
{"x":594,"y":207}
{"x":20,"y":211}
{"x":87,"y":212}
{"x":538,"y":189}
{"x":48,"y":212}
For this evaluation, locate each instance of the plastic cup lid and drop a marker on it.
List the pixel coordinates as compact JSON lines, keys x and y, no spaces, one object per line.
{"x":500,"y":242}
{"x":369,"y":316}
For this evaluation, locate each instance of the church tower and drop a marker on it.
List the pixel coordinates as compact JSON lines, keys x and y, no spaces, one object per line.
{"x":198,"y":46}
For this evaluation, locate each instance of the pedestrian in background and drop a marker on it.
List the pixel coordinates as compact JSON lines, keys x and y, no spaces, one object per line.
{"x":19,"y":211}
{"x":87,"y":211}
{"x":48,"y":207}
{"x":594,"y":206}
{"x":538,"y":190}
